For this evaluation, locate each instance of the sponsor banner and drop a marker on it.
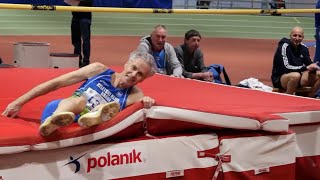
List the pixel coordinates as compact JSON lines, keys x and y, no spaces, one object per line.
{"x":110,"y":161}
{"x":100,"y":3}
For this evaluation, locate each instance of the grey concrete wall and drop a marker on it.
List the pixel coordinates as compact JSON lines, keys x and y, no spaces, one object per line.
{"x":191,"y":4}
{"x":240,"y":4}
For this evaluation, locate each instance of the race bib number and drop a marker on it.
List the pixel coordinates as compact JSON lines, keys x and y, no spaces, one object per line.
{"x":93,"y":98}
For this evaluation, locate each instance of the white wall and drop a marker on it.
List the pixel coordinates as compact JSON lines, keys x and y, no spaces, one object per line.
{"x":191,"y":4}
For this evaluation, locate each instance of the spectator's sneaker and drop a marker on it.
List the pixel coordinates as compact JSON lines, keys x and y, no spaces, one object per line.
{"x":56,"y":121}
{"x":102,"y":114}
{"x":317,"y":95}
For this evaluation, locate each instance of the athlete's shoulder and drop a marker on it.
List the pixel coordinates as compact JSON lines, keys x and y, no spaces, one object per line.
{"x":91,"y":70}
{"x":98,"y":65}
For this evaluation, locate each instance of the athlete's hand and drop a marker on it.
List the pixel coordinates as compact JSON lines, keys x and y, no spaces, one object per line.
{"x":12,"y":109}
{"x":148,"y":102}
{"x":208,"y":76}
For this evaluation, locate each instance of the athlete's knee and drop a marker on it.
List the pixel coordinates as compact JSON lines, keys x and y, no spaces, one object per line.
{"x":80,"y":101}
{"x":76,"y":101}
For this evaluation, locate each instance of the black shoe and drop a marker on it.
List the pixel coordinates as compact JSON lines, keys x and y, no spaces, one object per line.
{"x":83,"y":64}
{"x":0,"y":60}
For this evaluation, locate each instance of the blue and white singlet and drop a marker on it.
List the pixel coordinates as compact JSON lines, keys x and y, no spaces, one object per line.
{"x":99,"y":90}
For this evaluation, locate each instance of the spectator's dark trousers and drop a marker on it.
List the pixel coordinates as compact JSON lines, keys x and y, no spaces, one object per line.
{"x":80,"y":35}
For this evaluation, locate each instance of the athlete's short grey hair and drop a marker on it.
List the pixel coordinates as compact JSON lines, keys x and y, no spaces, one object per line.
{"x":148,"y":58}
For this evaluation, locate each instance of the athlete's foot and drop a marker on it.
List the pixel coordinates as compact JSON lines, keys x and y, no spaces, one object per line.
{"x":104,"y":113}
{"x":56,"y":121}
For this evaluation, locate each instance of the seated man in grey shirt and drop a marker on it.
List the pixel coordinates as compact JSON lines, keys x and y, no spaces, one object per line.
{"x":163,"y":53}
{"x":191,"y":57}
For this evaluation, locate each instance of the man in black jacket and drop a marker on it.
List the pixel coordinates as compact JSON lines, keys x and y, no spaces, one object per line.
{"x":292,"y":66}
{"x":81,"y":33}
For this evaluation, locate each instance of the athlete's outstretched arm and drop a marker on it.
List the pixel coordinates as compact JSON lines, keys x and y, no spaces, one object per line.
{"x":62,"y":81}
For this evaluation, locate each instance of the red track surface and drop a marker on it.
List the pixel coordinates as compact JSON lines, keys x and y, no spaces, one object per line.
{"x":243,"y":58}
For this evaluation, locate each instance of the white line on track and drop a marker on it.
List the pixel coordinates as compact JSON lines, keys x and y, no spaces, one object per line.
{"x":296,"y":19}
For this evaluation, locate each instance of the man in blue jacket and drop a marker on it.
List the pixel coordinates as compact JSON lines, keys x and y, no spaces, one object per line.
{"x":164,"y":55}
